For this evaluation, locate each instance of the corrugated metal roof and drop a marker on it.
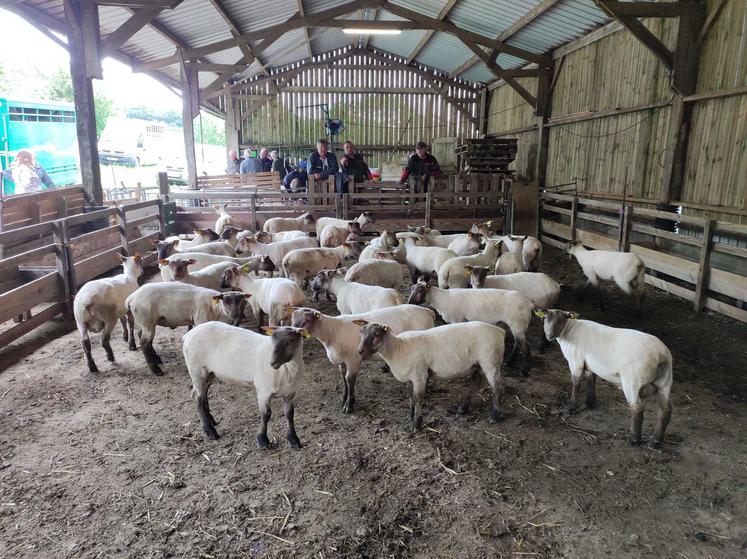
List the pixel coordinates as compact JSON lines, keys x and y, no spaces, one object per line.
{"x":195,"y":23}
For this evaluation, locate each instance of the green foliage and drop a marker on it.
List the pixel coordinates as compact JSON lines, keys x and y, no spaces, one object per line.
{"x":210,"y":130}
{"x":60,"y":88}
{"x":145,"y":113}
{"x":104,"y":109}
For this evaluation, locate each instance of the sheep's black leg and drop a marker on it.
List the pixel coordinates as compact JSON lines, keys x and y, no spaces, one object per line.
{"x":85,"y":341}
{"x":418,"y":395}
{"x":343,"y":369}
{"x":591,"y":390}
{"x":496,"y":413}
{"x":636,"y":422}
{"x":290,"y":418}
{"x":571,"y":405}
{"x":151,"y":358}
{"x":264,"y":415}
{"x":131,"y":324}
{"x":208,"y":423}
{"x":474,"y":386}
{"x":349,"y":405}
{"x":123,"y":322}
{"x":665,"y":414}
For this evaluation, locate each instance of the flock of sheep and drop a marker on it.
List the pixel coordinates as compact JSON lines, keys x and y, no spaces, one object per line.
{"x":481,"y":285}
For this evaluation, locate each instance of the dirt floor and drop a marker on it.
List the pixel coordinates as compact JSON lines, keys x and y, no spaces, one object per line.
{"x":116,"y":465}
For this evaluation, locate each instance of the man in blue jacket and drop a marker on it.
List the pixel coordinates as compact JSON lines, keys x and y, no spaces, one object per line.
{"x":322,"y":164}
{"x":250,"y":164}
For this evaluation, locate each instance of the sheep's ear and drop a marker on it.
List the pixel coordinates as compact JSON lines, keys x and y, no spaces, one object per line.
{"x":341,"y":271}
{"x":191,"y":261}
{"x":163,"y":262}
{"x":121,"y":257}
{"x":317,"y":314}
{"x":137,"y":257}
{"x":539,"y":312}
{"x":488,"y":223}
{"x":359,"y":322}
{"x":217,"y":298}
{"x":247,"y":295}
{"x":386,"y":328}
{"x":175,"y":242}
{"x":572,"y":315}
{"x":267,"y":330}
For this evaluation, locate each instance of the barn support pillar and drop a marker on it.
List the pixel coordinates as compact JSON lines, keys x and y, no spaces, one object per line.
{"x":542,"y":113}
{"x":83,"y":39}
{"x":190,"y":109}
{"x":232,"y":123}
{"x":684,"y":82}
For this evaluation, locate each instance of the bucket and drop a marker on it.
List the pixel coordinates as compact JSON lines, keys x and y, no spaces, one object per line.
{"x":375,"y":173}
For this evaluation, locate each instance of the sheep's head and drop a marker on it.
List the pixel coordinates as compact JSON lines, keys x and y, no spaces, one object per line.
{"x":205,"y":235}
{"x":263,"y":237}
{"x":308,"y":218}
{"x":389,"y":239}
{"x":164,"y":249}
{"x":286,"y":342}
{"x":554,"y":321}
{"x":178,"y":267}
{"x":571,"y":247}
{"x":354,"y":227}
{"x":232,"y":304}
{"x":323,"y":279}
{"x":477,"y":275}
{"x":230,"y":278}
{"x":366,"y":217}
{"x":245,"y":244}
{"x":419,"y":293}
{"x":229,"y":233}
{"x":373,"y":336}
{"x":353,"y":249}
{"x":264,"y":264}
{"x":304,"y":317}
{"x":132,"y":265}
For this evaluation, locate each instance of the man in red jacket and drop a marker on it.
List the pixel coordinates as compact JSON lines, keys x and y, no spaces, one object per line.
{"x":421,"y":165}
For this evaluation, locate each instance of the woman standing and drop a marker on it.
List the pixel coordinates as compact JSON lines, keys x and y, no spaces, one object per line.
{"x":27,"y":174}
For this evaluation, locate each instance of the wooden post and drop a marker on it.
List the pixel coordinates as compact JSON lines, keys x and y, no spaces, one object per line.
{"x":82,"y":24}
{"x":61,"y":257}
{"x":232,"y":124}
{"x":345,"y":205}
{"x":625,"y":225}
{"x":123,"y":231}
{"x":161,"y":223}
{"x":428,"y":206}
{"x":253,"y":202}
{"x":190,"y":109}
{"x":574,"y":217}
{"x":542,"y":113}
{"x":163,"y":186}
{"x":704,"y":266}
{"x":61,"y":208}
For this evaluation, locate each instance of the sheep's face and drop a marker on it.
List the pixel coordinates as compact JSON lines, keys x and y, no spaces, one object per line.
{"x":353,"y":250}
{"x":178,"y":267}
{"x":305,"y":317}
{"x":244,"y":246}
{"x":263,"y":237}
{"x":229,"y":233}
{"x":571,"y":247}
{"x":355,"y":228}
{"x":205,"y":235}
{"x":477,"y":275}
{"x":554,"y":321}
{"x":229,"y":278}
{"x":232,"y":304}
{"x":418,"y":293}
{"x":367,"y":217}
{"x":166,"y":249}
{"x":132,"y":265}
{"x":286,"y":341}
{"x":322,"y":280}
{"x":308,"y":219}
{"x":264,"y":264}
{"x":373,"y":336}
{"x":389,"y":239}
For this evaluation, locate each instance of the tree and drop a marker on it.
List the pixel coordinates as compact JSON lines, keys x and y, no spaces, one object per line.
{"x":60,"y":88}
{"x":145,"y":113}
{"x":208,"y":131}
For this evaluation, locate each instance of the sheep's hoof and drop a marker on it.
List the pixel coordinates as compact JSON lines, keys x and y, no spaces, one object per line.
{"x":263,"y":442}
{"x":591,"y":404}
{"x":132,"y":346}
{"x":496,"y":417}
{"x":110,"y":357}
{"x":634,"y":441}
{"x":294,"y":443}
{"x":385,"y":368}
{"x":348,"y":407}
{"x":417,"y":424}
{"x":463,"y":409}
{"x":125,"y":337}
{"x":93,"y":368}
{"x":212,"y":434}
{"x":157,"y":371}
{"x":656,"y":444}
{"x":571,"y":408}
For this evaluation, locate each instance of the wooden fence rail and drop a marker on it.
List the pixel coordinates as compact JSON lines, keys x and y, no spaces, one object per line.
{"x":691,"y":267}
{"x":40,"y":283}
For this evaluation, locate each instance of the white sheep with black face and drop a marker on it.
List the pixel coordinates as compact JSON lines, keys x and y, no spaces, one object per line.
{"x":540,"y":288}
{"x":341,"y":336}
{"x":626,"y":269}
{"x":334,"y":235}
{"x":425,"y":260}
{"x":257,"y":263}
{"x":208,"y":276}
{"x":452,"y":272}
{"x":273,"y":364}
{"x":174,"y":304}
{"x":303,"y":222}
{"x":383,"y":271}
{"x":447,"y":352}
{"x":100,"y":304}
{"x":637,"y":362}
{"x":276,"y":251}
{"x":302,"y":264}
{"x":352,"y":297}
{"x":364,"y":219}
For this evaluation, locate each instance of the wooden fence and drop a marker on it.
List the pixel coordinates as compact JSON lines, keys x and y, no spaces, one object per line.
{"x":701,"y":266}
{"x":38,"y":284}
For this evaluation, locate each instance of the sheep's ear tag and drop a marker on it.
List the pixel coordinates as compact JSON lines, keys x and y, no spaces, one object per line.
{"x":304,"y":334}
{"x":572,"y":316}
{"x":267,"y":330}
{"x":290,"y":309}
{"x":137,"y":257}
{"x":317,"y":314}
{"x":245,"y":268}
{"x":540,"y":314}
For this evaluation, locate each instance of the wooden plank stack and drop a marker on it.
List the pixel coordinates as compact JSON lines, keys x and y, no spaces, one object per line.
{"x":487,"y":155}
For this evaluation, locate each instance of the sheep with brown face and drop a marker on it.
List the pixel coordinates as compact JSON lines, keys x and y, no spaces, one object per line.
{"x":540,"y":288}
{"x":353,"y":297}
{"x":363,"y":219}
{"x":334,"y":235}
{"x":637,"y":362}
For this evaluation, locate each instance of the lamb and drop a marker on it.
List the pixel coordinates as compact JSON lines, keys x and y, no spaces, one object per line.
{"x":334,"y":235}
{"x":208,"y":277}
{"x":275,"y":251}
{"x":169,"y":248}
{"x":625,"y":268}
{"x":509,"y":263}
{"x":304,"y":263}
{"x":442,"y":241}
{"x":100,"y":303}
{"x":175,"y":304}
{"x":452,"y":272}
{"x":540,"y":288}
{"x":278,"y":224}
{"x":340,"y":337}
{"x":492,"y":306}
{"x":255,"y":263}
{"x":224,"y":219}
{"x":352,"y":297}
{"x":200,"y":236}
{"x":531,"y":252}
{"x":466,"y":245}
{"x":425,"y":260}
{"x":448,"y":352}
{"x":384,"y":242}
{"x":265,"y":237}
{"x":230,"y":235}
{"x":273,"y":364}
{"x":637,"y":362}
{"x":363,"y":219}
{"x":381,"y":271}
{"x":271,"y":297}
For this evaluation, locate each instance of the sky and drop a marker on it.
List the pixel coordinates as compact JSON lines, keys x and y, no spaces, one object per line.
{"x":125,"y":88}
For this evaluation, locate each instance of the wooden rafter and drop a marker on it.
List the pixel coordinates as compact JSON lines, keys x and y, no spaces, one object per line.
{"x":124,"y":32}
{"x":428,"y":34}
{"x":305,"y":27}
{"x":163,"y":4}
{"x":364,"y":42}
{"x":638,"y":30}
{"x":501,"y":73}
{"x":233,"y":28}
{"x":515,"y":27}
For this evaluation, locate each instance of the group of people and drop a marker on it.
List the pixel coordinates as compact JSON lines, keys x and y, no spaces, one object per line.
{"x":27,"y":173}
{"x":322,"y":164}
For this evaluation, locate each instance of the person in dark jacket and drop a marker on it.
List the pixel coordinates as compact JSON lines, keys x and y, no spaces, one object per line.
{"x":322,"y":164}
{"x":250,"y":164}
{"x":295,"y":181}
{"x":421,"y":164}
{"x":352,"y":164}
{"x":264,"y":158}
{"x":278,"y":165}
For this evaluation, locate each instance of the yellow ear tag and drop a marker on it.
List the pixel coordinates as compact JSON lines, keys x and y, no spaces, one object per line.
{"x":572,"y":316}
{"x":245,"y":268}
{"x":540,"y":314}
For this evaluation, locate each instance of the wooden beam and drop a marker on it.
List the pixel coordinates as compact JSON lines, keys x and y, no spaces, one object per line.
{"x":710,"y":20}
{"x":232,"y":124}
{"x":639,"y":31}
{"x":189,"y":91}
{"x":382,"y":90}
{"x":258,"y":97}
{"x":124,"y":32}
{"x":162,"y":4}
{"x":366,"y":24}
{"x":210,"y":67}
{"x":85,"y":121}
{"x":448,"y":26}
{"x":364,"y":43}
{"x":500,"y":72}
{"x":305,"y":28}
{"x":428,"y":34}
{"x":542,"y":113}
{"x":233,"y":27}
{"x":647,"y":9}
